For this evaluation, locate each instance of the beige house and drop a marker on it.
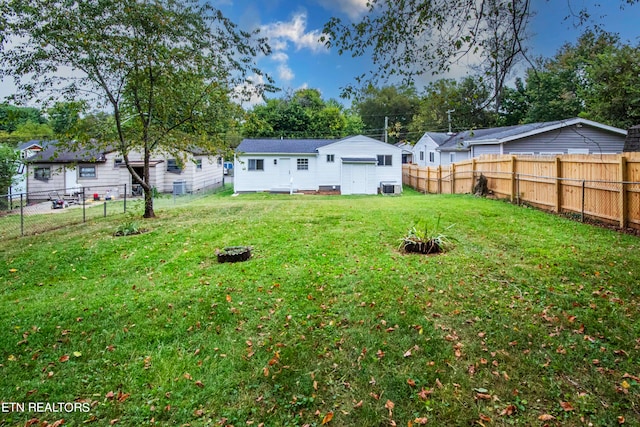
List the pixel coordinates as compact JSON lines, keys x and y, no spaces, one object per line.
{"x":104,"y":172}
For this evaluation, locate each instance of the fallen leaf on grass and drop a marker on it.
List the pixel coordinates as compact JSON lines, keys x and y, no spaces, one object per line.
{"x":327,"y":418}
{"x":199,"y":384}
{"x":357,"y":405}
{"x":546,"y":417}
{"x":424,"y":394}
{"x":64,"y":358}
{"x":411,"y":382}
{"x":567,"y":406}
{"x":421,"y":421}
{"x":509,"y":410}
{"x":483,"y":396}
{"x":58,"y":423}
{"x":390,"y":405}
{"x":632,"y":377}
{"x":123,"y":396}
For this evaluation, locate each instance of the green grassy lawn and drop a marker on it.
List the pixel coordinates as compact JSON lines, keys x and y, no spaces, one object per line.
{"x":530,"y":320}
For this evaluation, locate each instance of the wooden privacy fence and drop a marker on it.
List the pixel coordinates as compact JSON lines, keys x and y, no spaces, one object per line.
{"x":604,"y":187}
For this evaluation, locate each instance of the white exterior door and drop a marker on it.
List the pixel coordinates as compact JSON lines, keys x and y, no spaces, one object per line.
{"x":358,"y":179}
{"x":70,"y":178}
{"x":284,"y":166}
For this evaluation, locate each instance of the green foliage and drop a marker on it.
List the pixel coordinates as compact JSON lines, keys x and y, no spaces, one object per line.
{"x":398,"y":103}
{"x":470,"y":98}
{"x":595,"y":78}
{"x":128,"y":228}
{"x":12,"y":116}
{"x":64,"y":117}
{"x":302,"y":114}
{"x":8,"y":166}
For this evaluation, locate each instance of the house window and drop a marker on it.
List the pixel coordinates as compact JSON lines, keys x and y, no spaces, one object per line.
{"x":452,"y":157}
{"x":422,"y":155}
{"x":117,"y":163}
{"x":42,"y":173}
{"x":331,"y":158}
{"x":87,"y":172}
{"x":256,"y":164}
{"x":432,"y":157}
{"x":198,"y":164}
{"x":303,"y":164}
{"x":219,"y":161}
{"x":173,"y":166}
{"x":384,"y":159}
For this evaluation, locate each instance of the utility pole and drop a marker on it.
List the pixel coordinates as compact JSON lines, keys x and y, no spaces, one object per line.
{"x":449,"y":118}
{"x":386,"y":128}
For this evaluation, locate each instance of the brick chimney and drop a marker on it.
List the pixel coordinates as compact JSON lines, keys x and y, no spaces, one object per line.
{"x":632,"y":142}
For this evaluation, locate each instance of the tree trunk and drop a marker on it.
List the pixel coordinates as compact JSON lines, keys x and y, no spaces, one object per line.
{"x":148,"y":189}
{"x":148,"y":203}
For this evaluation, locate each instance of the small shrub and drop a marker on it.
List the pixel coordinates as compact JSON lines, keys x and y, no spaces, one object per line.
{"x":128,"y":228}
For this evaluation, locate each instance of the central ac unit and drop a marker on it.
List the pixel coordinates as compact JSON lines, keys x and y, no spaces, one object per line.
{"x":390,"y":188}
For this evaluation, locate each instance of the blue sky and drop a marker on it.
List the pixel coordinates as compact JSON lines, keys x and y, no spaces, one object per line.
{"x":299,"y":60}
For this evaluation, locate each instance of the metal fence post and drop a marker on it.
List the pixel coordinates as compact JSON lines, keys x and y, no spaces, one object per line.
{"x":84,"y":205}
{"x":22,"y":214}
{"x":582,"y":210}
{"x":105,"y":209}
{"x":125,"y":198}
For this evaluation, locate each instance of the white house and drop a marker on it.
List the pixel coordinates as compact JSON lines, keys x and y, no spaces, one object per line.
{"x":426,"y":152}
{"x":26,"y":150}
{"x":353,"y":165}
{"x":61,"y":170}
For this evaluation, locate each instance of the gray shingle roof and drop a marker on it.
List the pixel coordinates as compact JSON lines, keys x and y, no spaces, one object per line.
{"x":52,"y":153}
{"x":298,"y":146}
{"x":462,"y":140}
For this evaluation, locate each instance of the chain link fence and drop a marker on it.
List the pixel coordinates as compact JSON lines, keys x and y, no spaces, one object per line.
{"x":36,"y":212}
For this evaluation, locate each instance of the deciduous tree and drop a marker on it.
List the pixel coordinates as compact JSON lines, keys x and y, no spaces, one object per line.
{"x":164,"y":68}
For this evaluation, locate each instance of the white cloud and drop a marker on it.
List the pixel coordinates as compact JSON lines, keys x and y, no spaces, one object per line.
{"x":247,"y":94}
{"x":354,"y":9}
{"x":285,"y":73}
{"x":280,"y":57}
{"x":281,"y":34}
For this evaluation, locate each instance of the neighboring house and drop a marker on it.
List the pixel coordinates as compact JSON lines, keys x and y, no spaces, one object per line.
{"x":571,"y":136}
{"x":407,"y":153}
{"x":353,"y":165}
{"x":26,"y":149}
{"x":425,"y":151}
{"x":53,"y":169}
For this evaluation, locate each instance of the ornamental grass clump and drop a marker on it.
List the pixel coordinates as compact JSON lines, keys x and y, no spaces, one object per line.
{"x":421,"y":238}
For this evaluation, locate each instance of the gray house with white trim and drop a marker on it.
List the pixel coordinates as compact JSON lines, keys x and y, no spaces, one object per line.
{"x":571,"y":136}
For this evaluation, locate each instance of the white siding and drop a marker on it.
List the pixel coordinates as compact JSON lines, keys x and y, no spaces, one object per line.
{"x":425,"y":145}
{"x":278,"y":175}
{"x":360,"y":147}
